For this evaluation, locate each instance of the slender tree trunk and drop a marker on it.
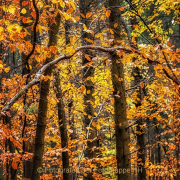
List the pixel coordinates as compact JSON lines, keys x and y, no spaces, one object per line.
{"x":140,"y":135}
{"x":62,"y":125}
{"x":140,"y":95}
{"x":88,"y":71}
{"x":27,"y":164}
{"x":68,"y":29}
{"x":177,"y":141}
{"x":43,"y":102}
{"x":122,"y":137}
{"x":1,"y":162}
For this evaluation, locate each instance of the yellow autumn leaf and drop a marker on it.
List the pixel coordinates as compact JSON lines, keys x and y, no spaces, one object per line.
{"x":170,"y":31}
{"x":73,"y":5}
{"x":92,"y":79}
{"x":83,"y":88}
{"x":94,"y":124}
{"x":112,"y":101}
{"x":69,"y":11}
{"x":121,"y":8}
{"x":88,"y":92}
{"x":104,"y":8}
{"x":62,"y":4}
{"x":88,"y":15}
{"x":14,"y":28}
{"x":82,"y":15}
{"x":7,"y":69}
{"x":108,"y":13}
{"x":155,"y":68}
{"x":11,"y":9}
{"x":54,"y":1}
{"x":111,"y":31}
{"x":89,"y":40}
{"x":67,"y":17}
{"x":15,"y":105}
{"x":95,"y":114}
{"x":23,"y":11}
{"x":120,"y":79}
{"x":116,"y":25}
{"x":98,"y":127}
{"x":91,"y":102}
{"x":14,"y":165}
{"x":1,"y":66}
{"x":141,"y":84}
{"x":1,"y":29}
{"x":87,"y":57}
{"x":85,"y":27}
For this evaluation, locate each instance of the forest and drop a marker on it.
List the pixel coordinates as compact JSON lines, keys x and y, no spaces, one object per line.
{"x":89,"y":90}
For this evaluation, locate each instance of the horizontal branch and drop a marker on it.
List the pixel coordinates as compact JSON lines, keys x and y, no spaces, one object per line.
{"x":68,"y":56}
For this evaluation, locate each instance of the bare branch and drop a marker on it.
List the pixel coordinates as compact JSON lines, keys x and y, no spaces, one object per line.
{"x":68,"y":56}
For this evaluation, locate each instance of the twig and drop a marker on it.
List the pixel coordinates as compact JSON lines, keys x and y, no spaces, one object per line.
{"x":87,"y":136}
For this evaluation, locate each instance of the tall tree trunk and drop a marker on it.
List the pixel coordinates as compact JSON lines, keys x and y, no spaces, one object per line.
{"x":1,"y":162}
{"x":122,"y":137}
{"x":88,"y":71}
{"x":140,"y":95}
{"x":140,"y":135}
{"x":62,"y":125}
{"x":43,"y":102}
{"x":68,"y":29}
{"x":27,"y":164}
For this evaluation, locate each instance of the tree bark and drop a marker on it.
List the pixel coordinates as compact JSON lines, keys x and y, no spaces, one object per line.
{"x":140,"y":135}
{"x":122,"y":137}
{"x":43,"y":102}
{"x":62,"y":126}
{"x":27,"y":164}
{"x":88,"y":71}
{"x":140,"y":95}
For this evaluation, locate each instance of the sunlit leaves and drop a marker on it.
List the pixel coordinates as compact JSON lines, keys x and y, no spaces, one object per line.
{"x":104,"y":9}
{"x":82,"y":15}
{"x":1,"y":29}
{"x":7,"y":69}
{"x":116,"y":25}
{"x":108,"y":13}
{"x":88,"y":15}
{"x":11,"y":9}
{"x":14,"y":28}
{"x":69,"y":11}
{"x":121,"y":8}
{"x":112,"y":101}
{"x":142,"y":84}
{"x":83,"y":88}
{"x":14,"y":165}
{"x":62,"y":4}
{"x":170,"y":31}
{"x":87,"y":57}
{"x":23,"y":11}
{"x":98,"y":127}
{"x":24,"y":3}
{"x":85,"y":27}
